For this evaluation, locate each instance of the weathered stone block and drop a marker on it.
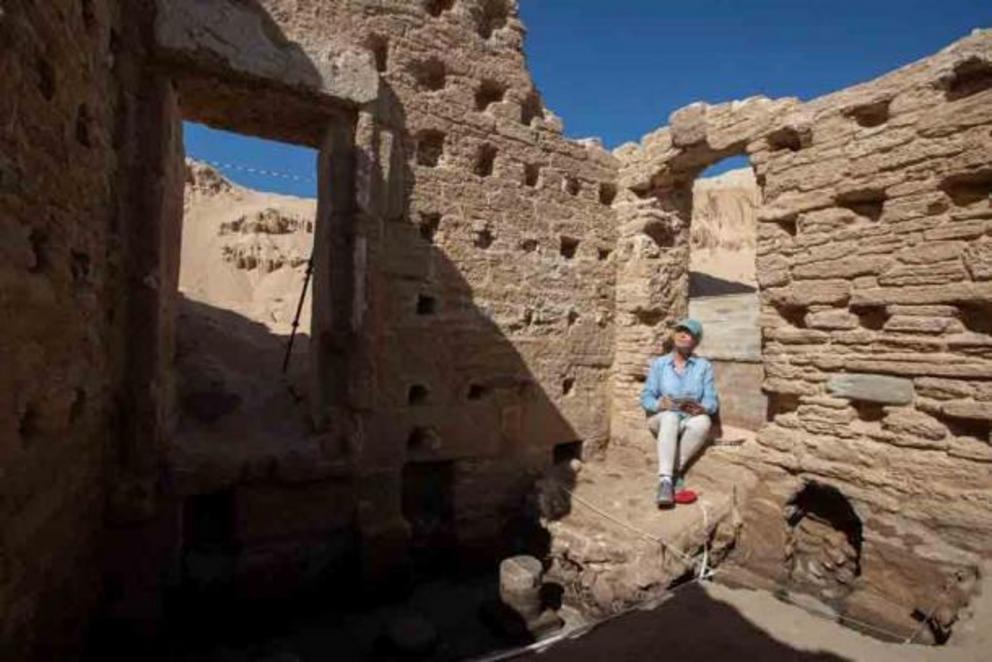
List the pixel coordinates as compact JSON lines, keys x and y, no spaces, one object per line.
{"x":970,"y":448}
{"x":922,"y":311}
{"x":968,"y":409}
{"x":848,"y":267}
{"x":920,"y":324}
{"x":931,"y":252}
{"x":914,"y":274}
{"x":832,"y":319}
{"x":520,"y":585}
{"x":812,"y":292}
{"x":240,"y":37}
{"x":923,"y":294}
{"x":872,"y":388}
{"x":944,"y":389}
{"x":916,"y":423}
{"x":792,"y":336}
{"x":978,"y":260}
{"x":688,"y":125}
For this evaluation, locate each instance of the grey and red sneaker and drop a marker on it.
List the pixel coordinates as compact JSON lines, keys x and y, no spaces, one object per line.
{"x":666,"y":492}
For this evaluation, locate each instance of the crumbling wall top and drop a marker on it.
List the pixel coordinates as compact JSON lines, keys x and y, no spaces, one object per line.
{"x":696,"y":136}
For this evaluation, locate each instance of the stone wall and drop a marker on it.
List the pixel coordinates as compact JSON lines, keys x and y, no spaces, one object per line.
{"x":872,"y":268}
{"x":485,"y":290}
{"x":499,"y":259}
{"x":59,"y":282}
{"x":486,"y":294}
{"x":463,"y":292}
{"x":463,"y":274}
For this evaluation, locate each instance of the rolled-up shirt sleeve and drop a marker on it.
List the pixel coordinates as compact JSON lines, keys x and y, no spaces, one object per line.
{"x":652,"y":389}
{"x":710,"y":401}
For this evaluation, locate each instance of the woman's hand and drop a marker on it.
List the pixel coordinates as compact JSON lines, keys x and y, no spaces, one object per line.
{"x":666,"y":404}
{"x":693,"y":408}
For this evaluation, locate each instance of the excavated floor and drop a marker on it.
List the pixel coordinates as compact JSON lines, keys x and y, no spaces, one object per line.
{"x":706,"y":621}
{"x":613,"y":547}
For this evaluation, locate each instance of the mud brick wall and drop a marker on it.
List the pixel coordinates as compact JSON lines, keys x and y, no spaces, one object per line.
{"x":490,"y":297}
{"x":58,"y":275}
{"x":472,"y":317}
{"x":873,"y":263}
{"x":497,"y":290}
{"x":873,"y":253}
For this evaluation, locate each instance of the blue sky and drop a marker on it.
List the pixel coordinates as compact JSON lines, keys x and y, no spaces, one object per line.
{"x":617,"y":68}
{"x":251,"y":161}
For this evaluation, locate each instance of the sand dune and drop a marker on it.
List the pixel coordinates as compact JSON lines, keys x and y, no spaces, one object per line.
{"x":245,"y":250}
{"x":724,"y":226}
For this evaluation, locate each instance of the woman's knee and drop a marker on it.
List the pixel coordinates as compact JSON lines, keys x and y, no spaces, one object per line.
{"x":700,"y":423}
{"x":666,"y":419}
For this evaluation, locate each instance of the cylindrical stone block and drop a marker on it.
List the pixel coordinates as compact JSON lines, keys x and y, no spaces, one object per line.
{"x":520,"y":585}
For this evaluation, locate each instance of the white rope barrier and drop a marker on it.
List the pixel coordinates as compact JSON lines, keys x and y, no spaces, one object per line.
{"x":685,"y":557}
{"x":704,"y":570}
{"x":223,"y":165}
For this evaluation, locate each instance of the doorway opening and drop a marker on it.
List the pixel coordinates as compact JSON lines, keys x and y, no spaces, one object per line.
{"x":249,"y":212}
{"x":723,"y":291}
{"x":429,"y":508}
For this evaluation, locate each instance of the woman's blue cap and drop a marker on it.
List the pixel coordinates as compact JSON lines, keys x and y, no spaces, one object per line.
{"x":694,"y":327}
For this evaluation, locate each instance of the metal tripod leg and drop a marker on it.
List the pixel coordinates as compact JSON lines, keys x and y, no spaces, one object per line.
{"x":299,"y":310}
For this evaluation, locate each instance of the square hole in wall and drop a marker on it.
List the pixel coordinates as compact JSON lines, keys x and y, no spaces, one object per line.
{"x":568,"y":247}
{"x":437,"y":7}
{"x":488,"y":93}
{"x":428,"y":225}
{"x":477,"y":391}
{"x":572,"y":185}
{"x":379,"y":46}
{"x":485,"y":160}
{"x":430,"y":148}
{"x":430,"y":74}
{"x":531,"y":108}
{"x":490,"y":16}
{"x":426,"y":304}
{"x":566,"y":452}
{"x":607,"y":193}
{"x":870,"y":115}
{"x":417,"y":394}
{"x":789,"y":138}
{"x":532,"y":174}
{"x":209,"y":519}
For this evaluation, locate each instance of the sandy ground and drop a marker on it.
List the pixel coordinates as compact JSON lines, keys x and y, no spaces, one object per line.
{"x":708,"y":622}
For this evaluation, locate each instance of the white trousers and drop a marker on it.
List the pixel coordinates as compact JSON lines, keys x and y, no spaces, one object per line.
{"x":679,"y":437}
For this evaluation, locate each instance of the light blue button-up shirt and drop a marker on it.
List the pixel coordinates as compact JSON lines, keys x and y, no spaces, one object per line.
{"x":696,"y":382}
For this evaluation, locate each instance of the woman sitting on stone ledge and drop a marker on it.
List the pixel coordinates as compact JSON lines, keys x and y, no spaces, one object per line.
{"x":680,"y":398}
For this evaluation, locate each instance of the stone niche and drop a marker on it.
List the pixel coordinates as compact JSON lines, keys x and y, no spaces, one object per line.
{"x":823,"y":542}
